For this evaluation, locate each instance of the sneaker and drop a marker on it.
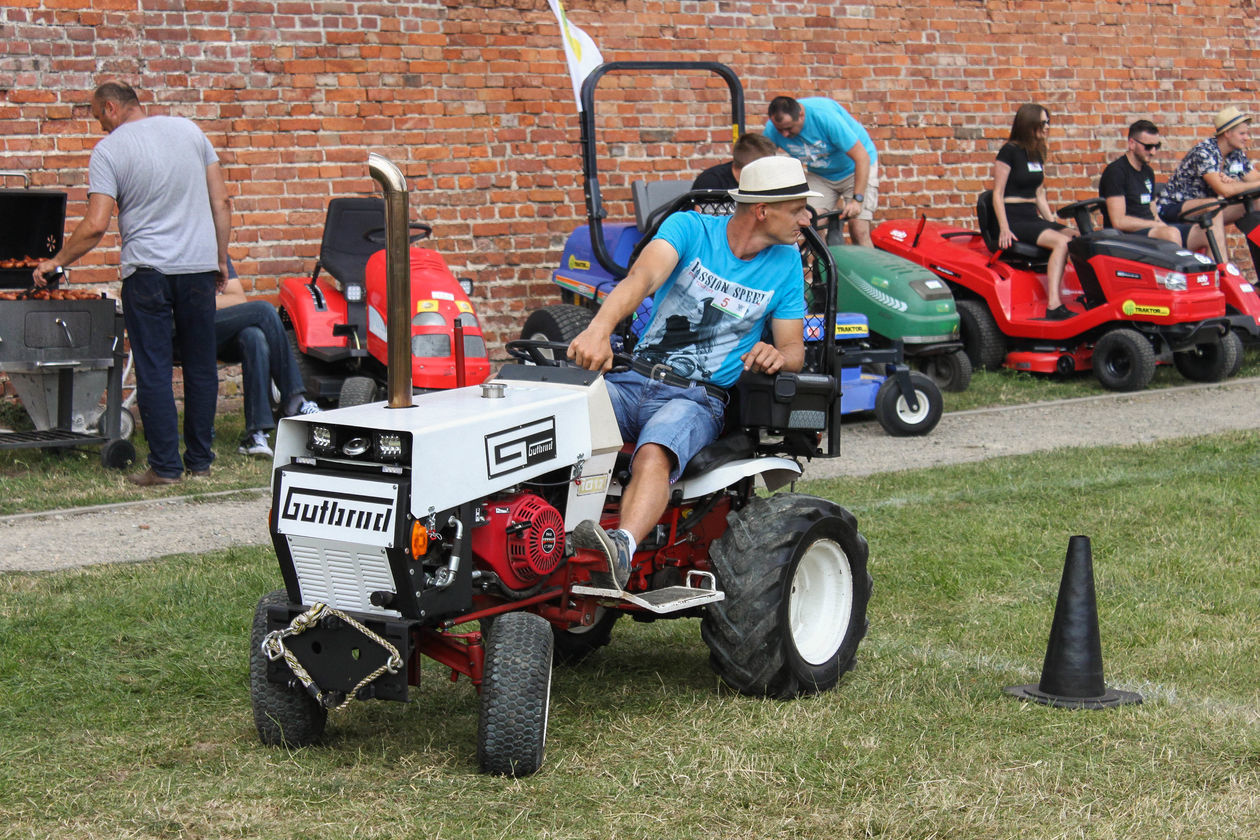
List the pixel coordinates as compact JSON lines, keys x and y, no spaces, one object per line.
{"x":308,"y":407}
{"x":614,"y":545}
{"x":256,"y":444}
{"x":1059,"y":313}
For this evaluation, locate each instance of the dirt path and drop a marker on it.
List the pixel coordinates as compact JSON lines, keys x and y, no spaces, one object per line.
{"x":144,"y":530}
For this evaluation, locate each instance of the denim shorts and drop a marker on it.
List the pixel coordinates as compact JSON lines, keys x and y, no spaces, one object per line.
{"x":683,"y":420}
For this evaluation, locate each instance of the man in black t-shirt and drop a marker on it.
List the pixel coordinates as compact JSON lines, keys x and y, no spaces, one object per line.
{"x":1128,"y":185}
{"x":725,"y":176}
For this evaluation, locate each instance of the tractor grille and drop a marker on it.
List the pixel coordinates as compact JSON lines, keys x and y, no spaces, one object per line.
{"x":341,"y":576}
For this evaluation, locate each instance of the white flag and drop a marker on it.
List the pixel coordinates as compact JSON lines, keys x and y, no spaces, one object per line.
{"x":579,"y":51}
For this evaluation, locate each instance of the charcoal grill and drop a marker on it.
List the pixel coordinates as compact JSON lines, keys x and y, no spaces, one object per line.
{"x":59,"y":354}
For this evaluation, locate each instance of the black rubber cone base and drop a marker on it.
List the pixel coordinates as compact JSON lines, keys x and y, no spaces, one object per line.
{"x":1111,"y":697}
{"x":1072,"y":676}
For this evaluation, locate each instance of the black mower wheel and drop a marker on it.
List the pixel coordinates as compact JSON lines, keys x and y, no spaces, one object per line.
{"x":118,"y":454}
{"x":285,"y":715}
{"x":950,"y":371}
{"x":793,"y":568}
{"x":515,"y":695}
{"x":1124,"y":360}
{"x":1240,"y":351}
{"x":356,"y":390}
{"x":893,"y":411}
{"x":983,"y":341}
{"x":1210,"y":362}
{"x":578,"y":642}
{"x":308,"y":367}
{"x":559,"y":322}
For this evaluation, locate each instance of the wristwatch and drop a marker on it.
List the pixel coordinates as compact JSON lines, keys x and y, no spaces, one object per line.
{"x":859,"y":198}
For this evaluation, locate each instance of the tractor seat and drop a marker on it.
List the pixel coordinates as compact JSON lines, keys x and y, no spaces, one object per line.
{"x":345,"y":248}
{"x":1020,"y":254}
{"x":652,"y":198}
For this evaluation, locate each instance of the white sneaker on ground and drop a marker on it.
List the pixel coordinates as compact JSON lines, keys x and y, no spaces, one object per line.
{"x":256,"y":444}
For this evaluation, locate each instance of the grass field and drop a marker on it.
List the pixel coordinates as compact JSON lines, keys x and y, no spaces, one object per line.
{"x":124,"y":709}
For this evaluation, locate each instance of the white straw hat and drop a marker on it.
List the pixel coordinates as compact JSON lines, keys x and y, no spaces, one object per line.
{"x":771,"y":179}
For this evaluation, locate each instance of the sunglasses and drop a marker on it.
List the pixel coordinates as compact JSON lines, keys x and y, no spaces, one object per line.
{"x":1045,"y":123}
{"x":1150,"y":147}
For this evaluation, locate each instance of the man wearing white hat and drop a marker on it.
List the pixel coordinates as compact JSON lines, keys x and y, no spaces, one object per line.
{"x":1215,"y":168}
{"x":715,"y":282}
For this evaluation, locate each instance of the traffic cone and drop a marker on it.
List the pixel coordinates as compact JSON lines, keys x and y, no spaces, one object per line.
{"x":1072,"y":676}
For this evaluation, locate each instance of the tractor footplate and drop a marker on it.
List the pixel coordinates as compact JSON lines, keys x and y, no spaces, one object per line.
{"x":667,"y":600}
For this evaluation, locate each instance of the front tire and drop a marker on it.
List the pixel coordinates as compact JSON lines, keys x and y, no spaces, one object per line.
{"x":515,"y":695}
{"x":893,"y":411}
{"x":793,"y":569}
{"x":285,"y":715}
{"x":356,"y":390}
{"x":576,"y":643}
{"x":983,"y":341}
{"x":1124,"y":360}
{"x":950,"y":371}
{"x":1212,"y":362}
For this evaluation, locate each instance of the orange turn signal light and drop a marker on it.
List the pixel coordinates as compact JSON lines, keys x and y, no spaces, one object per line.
{"x":419,"y":539}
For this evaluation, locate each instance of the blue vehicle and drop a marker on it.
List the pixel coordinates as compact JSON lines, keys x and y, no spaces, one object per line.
{"x":873,"y":374}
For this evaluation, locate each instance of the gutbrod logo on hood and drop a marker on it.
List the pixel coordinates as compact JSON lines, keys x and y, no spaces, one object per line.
{"x":516,"y":448}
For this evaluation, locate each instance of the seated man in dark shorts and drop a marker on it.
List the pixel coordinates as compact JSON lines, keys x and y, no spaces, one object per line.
{"x":1128,"y":185}
{"x":1217,"y":167}
{"x":719,"y":281}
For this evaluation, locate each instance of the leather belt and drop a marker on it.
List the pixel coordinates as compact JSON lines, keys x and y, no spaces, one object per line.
{"x":666,"y":374}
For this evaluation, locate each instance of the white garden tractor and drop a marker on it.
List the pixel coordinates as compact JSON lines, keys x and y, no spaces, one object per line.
{"x":439,"y":526}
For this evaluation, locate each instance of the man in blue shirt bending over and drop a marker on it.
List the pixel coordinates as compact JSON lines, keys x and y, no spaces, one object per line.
{"x":838,"y":154}
{"x":715,"y":282}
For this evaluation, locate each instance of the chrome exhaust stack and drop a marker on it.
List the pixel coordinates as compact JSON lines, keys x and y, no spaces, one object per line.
{"x":397,"y":280}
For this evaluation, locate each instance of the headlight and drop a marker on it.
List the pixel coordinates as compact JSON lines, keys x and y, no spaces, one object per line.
{"x":321,"y":439}
{"x":354,"y":292}
{"x":1174,"y":281}
{"x":429,"y":319}
{"x":392,"y":446}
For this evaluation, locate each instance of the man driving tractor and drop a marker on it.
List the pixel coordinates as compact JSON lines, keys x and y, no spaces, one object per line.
{"x":715,"y":281}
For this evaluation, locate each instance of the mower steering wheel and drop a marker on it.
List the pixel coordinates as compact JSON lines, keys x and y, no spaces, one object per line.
{"x":553,"y":354}
{"x":1202,"y":215}
{"x":377,"y":235}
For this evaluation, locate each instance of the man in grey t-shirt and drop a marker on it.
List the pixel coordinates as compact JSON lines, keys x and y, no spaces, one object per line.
{"x":163,"y":177}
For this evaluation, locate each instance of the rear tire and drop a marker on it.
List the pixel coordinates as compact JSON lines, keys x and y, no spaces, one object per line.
{"x":1124,"y":360}
{"x":515,"y":695}
{"x":893,"y":412}
{"x":1211,"y":362}
{"x":793,"y":569}
{"x":356,"y":390}
{"x":981,"y":338}
{"x":950,"y":371}
{"x":561,"y":322}
{"x":285,"y":715}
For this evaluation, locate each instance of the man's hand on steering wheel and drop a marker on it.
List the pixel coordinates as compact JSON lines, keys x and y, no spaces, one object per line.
{"x":591,"y":350}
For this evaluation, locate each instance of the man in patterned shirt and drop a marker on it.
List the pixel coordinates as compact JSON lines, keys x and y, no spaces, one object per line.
{"x":1215,"y":168}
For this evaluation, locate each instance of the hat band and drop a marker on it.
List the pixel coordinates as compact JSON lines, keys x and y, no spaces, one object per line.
{"x":802,"y":187}
{"x":1241,"y":118}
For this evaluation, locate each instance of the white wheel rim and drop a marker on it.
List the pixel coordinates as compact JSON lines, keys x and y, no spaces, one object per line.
{"x":909,"y":417}
{"x":821,"y":602}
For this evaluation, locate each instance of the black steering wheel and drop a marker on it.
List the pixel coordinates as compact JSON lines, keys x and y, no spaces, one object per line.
{"x":422,"y":231}
{"x":553,"y":354}
{"x":1204,"y":213}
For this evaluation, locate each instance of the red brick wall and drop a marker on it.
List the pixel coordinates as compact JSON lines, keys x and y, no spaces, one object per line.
{"x":473,"y":101}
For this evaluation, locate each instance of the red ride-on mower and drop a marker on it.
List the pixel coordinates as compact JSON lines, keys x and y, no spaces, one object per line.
{"x":1242,"y":298}
{"x":338,"y":322}
{"x":1137,"y":301}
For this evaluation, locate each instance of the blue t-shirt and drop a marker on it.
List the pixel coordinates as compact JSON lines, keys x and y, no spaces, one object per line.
{"x":714,"y":306}
{"x":825,"y":139}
